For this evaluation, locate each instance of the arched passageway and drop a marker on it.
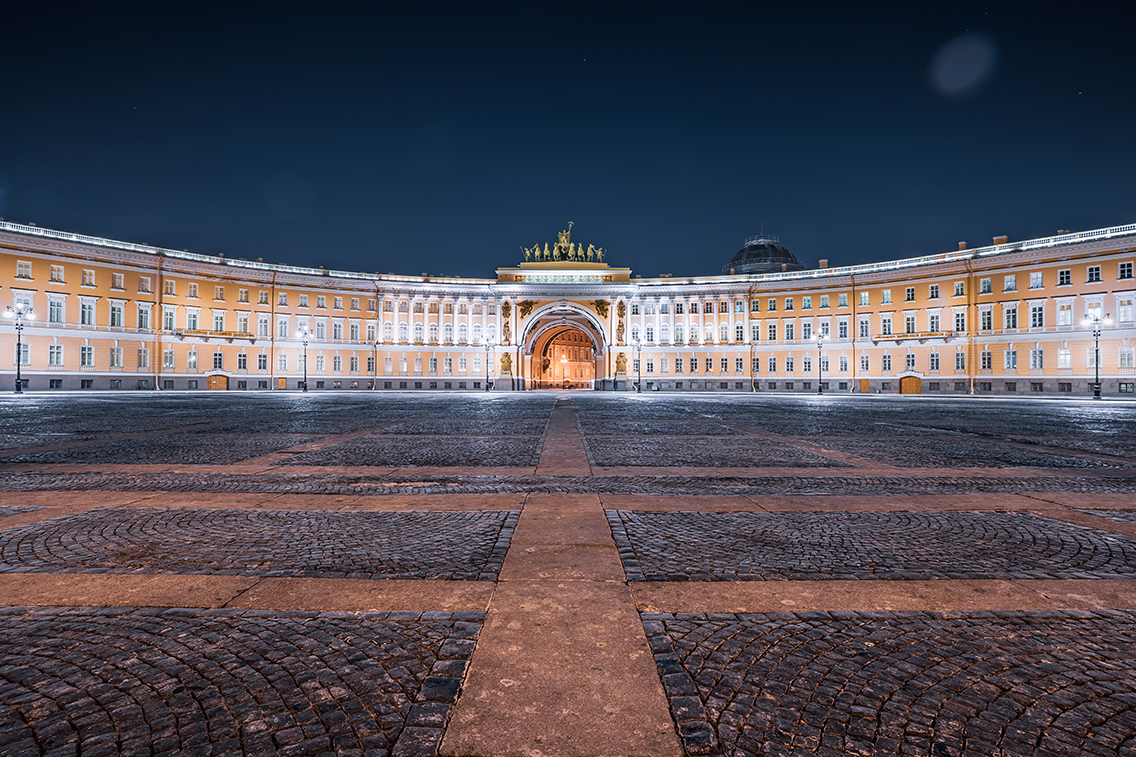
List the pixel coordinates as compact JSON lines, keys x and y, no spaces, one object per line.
{"x":564,"y":358}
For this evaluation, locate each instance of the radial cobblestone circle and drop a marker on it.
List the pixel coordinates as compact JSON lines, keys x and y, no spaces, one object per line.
{"x":700,"y":546}
{"x":353,"y":484}
{"x":228,"y":682}
{"x":736,"y":452}
{"x":408,"y":451}
{"x":175,"y":449}
{"x":879,"y":683}
{"x":372,"y":545}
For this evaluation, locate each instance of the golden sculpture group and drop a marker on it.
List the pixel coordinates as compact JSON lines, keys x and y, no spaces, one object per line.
{"x":564,"y":250}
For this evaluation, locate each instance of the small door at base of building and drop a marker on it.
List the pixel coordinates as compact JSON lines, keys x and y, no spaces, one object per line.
{"x":910,"y":385}
{"x":217,"y":382}
{"x":863,"y":386}
{"x":281,"y":383}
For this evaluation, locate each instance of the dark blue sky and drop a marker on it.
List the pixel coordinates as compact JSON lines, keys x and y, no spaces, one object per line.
{"x":441,"y":138}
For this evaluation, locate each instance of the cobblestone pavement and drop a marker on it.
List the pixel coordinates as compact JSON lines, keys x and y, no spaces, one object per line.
{"x":453,"y":545}
{"x":297,"y":425}
{"x":738,"y":452}
{"x":657,"y":428}
{"x":699,"y":546}
{"x":178,"y":449}
{"x":958,"y":453}
{"x":174,"y":681}
{"x":880,"y":683}
{"x":6,"y":510}
{"x":469,"y":428}
{"x":308,"y":483}
{"x":388,"y":451}
{"x":1126,"y":516}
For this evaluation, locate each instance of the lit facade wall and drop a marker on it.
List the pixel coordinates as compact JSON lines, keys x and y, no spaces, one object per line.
{"x":1001,"y":320}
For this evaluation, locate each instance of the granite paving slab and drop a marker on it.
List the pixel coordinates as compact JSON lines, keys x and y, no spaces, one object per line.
{"x":177,"y":449}
{"x":736,"y":452}
{"x":422,"y":451}
{"x":960,"y":453}
{"x":368,"y":545}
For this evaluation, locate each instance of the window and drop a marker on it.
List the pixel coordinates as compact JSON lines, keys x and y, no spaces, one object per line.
{"x":1037,"y":359}
{"x":55,"y":311}
{"x":282,"y":362}
{"x":56,"y":274}
{"x":355,"y":364}
{"x":863,"y":299}
{"x":1124,"y":308}
{"x":1065,"y":277}
{"x":1035,"y":280}
{"x":87,"y":357}
{"x":754,"y":306}
{"x":1064,"y":359}
{"x":1011,"y":386}
{"x":885,"y":325}
{"x":355,"y":305}
{"x":115,"y":357}
{"x":1066,"y":387}
{"x":303,"y":301}
{"x":985,"y":286}
{"x":1094,"y":274}
{"x":433,"y":332}
{"x":885,"y":297}
{"x":909,"y":324}
{"x":218,"y":321}
{"x":320,"y":363}
{"x":909,"y":294}
{"x":634,"y":309}
{"x":807,"y":364}
{"x":932,"y":292}
{"x":807,"y":330}
{"x":986,"y":320}
{"x":806,"y":303}
{"x":282,"y":299}
{"x":650,"y":333}
{"x":144,"y":284}
{"x":842,"y":329}
{"x":843,"y":363}
{"x":116,"y":316}
{"x":118,"y":281}
{"x":1011,"y":360}
{"x":262,"y":361}
{"x":242,"y":361}
{"x":89,"y":279}
{"x":1125,"y":271}
{"x":934,"y":361}
{"x":789,"y":364}
{"x":1037,"y":316}
{"x":910,"y":361}
{"x":143,"y":316}
{"x":772,"y":328}
{"x":960,"y":321}
{"x":263,"y":298}
{"x":739,"y":364}
{"x":1125,"y":387}
{"x":865,"y":326}
{"x":842,"y":300}
{"x":650,"y":365}
{"x":771,"y":306}
{"x":1127,"y":358}
{"x":143,"y":358}
{"x":788,"y":303}
{"x":789,"y":332}
{"x":1065,"y":314}
{"x":960,"y":361}
{"x":1011,"y":284}
{"x":678,"y":365}
{"x":933,"y":323}
{"x":191,"y":361}
{"x":55,"y":354}
{"x":823,"y":301}
{"x":23,"y":269}
{"x":864,"y":362}
{"x":887,"y":362}
{"x":960,"y":289}
{"x":772,"y":365}
{"x":219,"y":294}
{"x":354,"y":332}
{"x":1010,"y":317}
{"x":986,"y":360}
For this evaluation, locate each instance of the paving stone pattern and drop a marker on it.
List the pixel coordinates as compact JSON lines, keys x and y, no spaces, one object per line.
{"x":344,"y":484}
{"x":1126,"y":516}
{"x":177,"y":449}
{"x":373,"y":545}
{"x":6,"y":510}
{"x":471,"y":452}
{"x":229,"y":682}
{"x":956,"y":452}
{"x":700,"y":546}
{"x":880,"y":683}
{"x":459,"y":427}
{"x":738,"y":452}
{"x":657,"y":428}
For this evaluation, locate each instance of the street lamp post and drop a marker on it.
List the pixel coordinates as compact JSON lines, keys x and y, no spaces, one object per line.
{"x":303,"y":334}
{"x":488,"y":346}
{"x":820,"y":366}
{"x":1096,"y":322}
{"x":638,"y":366}
{"x":20,"y":314}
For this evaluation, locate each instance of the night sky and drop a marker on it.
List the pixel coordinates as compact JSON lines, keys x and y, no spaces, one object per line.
{"x":441,"y":138}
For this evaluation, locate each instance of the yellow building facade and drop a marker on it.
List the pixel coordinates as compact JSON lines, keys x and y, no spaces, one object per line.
{"x":1008,"y":319}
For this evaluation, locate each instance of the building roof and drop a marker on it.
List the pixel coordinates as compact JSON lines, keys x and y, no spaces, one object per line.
{"x":762,"y":254}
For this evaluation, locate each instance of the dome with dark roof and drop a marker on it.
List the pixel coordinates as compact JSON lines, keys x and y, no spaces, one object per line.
{"x":762,"y":254}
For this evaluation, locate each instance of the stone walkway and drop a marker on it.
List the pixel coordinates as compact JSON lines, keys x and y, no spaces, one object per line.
{"x":544,"y":574}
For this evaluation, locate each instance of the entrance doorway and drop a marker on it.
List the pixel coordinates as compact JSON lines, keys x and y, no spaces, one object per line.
{"x":565,"y":359}
{"x":863,"y":386}
{"x":910,"y":385}
{"x":217,"y":382}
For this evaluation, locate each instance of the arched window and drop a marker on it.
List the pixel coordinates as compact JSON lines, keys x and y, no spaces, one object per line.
{"x":491,"y":332}
{"x":723,"y":333}
{"x":678,"y":333}
{"x":418,"y":332}
{"x":739,"y":333}
{"x":664,"y":333}
{"x":462,"y":333}
{"x":709,"y":333}
{"x":448,"y":332}
{"x":388,"y":331}
{"x":433,"y":333}
{"x":477,"y":333}
{"x":635,"y":332}
{"x":650,"y":334}
{"x":402,"y":334}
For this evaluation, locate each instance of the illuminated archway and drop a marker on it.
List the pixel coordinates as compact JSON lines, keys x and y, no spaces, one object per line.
{"x":564,"y":347}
